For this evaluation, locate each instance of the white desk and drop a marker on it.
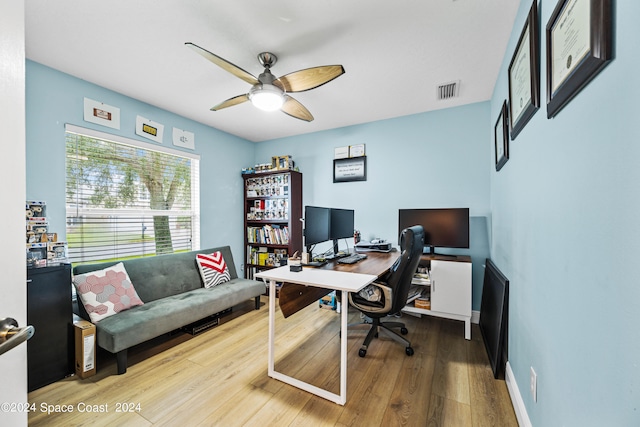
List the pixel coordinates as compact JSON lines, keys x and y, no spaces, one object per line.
{"x":332,"y":279}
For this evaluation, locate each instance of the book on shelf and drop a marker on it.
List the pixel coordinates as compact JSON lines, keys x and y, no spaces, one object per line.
{"x":263,"y":257}
{"x":421,"y":279}
{"x":270,"y":234}
{"x":415,"y":292}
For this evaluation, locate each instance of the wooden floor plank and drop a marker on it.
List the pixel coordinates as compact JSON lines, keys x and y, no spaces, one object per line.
{"x":237,"y":410}
{"x":412,"y":389}
{"x":488,"y":403}
{"x":451,"y":374}
{"x":220,"y":377}
{"x":373,"y":391}
{"x":445,"y":412}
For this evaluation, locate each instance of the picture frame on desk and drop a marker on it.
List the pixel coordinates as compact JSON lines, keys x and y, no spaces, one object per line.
{"x":524,"y":75}
{"x":579,"y":45}
{"x":501,"y":137}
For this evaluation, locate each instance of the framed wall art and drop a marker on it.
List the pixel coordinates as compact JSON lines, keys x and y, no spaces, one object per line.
{"x":101,"y":113}
{"x":350,"y":169}
{"x":524,"y":74}
{"x":149,"y":129}
{"x":579,"y":46}
{"x":501,"y":137}
{"x":494,"y":317}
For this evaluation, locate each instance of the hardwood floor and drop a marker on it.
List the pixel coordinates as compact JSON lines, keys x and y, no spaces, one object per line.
{"x":219,"y":378}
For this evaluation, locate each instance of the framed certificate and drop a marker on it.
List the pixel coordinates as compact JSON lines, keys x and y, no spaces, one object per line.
{"x":579,"y":46}
{"x":524,"y":75}
{"x":350,"y":169}
{"x":501,"y":137}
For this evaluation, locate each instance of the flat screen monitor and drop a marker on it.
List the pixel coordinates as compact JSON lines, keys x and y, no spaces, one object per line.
{"x":317,"y":225}
{"x":444,"y":228}
{"x":341,"y":226}
{"x":341,"y":223}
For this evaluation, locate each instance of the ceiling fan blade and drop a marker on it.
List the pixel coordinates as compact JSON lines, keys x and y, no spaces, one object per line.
{"x":231,"y":102}
{"x":224,"y":64}
{"x":309,"y":78}
{"x":295,"y":109}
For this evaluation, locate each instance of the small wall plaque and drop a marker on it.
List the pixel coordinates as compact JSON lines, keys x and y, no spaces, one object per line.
{"x":184,"y":139}
{"x":102,"y":114}
{"x":149,"y":129}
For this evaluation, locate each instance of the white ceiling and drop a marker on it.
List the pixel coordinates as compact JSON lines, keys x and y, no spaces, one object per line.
{"x":395,"y":54}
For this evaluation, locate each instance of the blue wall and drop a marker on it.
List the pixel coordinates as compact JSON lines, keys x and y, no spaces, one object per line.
{"x":436,"y":159}
{"x":562,"y":213}
{"x":54,"y":99}
{"x":565,"y":231}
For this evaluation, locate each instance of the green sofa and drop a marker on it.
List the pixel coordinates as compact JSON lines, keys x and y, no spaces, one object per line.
{"x":171,"y":288}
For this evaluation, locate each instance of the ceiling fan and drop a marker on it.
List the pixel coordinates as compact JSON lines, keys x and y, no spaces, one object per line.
{"x":268,"y":92}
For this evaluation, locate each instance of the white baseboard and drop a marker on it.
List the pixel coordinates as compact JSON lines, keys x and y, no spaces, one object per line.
{"x":475,"y":317}
{"x":516,"y":398}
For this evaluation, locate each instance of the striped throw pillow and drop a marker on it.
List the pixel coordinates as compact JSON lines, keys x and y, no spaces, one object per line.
{"x":213,"y":269}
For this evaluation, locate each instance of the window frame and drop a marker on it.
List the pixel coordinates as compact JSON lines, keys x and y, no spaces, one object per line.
{"x":194,"y":213}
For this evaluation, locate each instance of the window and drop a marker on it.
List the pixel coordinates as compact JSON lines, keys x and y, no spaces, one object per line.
{"x":127,"y":199}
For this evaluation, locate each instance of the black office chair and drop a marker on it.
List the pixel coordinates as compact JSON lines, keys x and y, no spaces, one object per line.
{"x":389,"y":294}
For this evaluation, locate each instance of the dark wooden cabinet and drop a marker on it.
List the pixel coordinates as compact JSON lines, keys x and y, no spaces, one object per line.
{"x":272,"y":212}
{"x":50,"y":350}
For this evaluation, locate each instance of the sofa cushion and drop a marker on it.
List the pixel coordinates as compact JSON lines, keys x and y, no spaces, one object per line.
{"x":161,"y":276}
{"x":213,"y":269}
{"x":106,"y":292}
{"x":164,"y":315}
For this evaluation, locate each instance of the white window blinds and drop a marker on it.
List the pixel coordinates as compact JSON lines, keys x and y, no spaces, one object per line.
{"x":127,"y":199}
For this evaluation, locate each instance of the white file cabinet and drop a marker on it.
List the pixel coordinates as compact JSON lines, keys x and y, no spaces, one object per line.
{"x":450,"y":289}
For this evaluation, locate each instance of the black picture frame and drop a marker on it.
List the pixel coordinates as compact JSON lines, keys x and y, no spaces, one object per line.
{"x":350,"y":169}
{"x":494,"y":317}
{"x":501,"y":137}
{"x":560,"y":91}
{"x":524,"y":74}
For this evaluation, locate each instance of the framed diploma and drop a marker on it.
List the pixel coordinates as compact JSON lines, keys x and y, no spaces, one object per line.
{"x":579,"y":46}
{"x":350,"y":169}
{"x":501,"y":137}
{"x":524,"y":75}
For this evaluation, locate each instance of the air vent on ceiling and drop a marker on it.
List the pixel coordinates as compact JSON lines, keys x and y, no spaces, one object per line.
{"x":448,"y":90}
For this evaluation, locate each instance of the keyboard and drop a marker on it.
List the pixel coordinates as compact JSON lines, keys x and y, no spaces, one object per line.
{"x":352,"y":259}
{"x":315,"y":264}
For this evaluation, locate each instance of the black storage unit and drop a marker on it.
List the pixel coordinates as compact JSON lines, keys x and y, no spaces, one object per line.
{"x":50,"y":351}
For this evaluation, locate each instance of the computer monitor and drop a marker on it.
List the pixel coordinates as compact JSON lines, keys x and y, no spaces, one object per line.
{"x":317,"y":225}
{"x":342,"y":225}
{"x":444,"y":228}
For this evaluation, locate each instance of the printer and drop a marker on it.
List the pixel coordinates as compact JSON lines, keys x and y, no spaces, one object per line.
{"x":375,"y":245}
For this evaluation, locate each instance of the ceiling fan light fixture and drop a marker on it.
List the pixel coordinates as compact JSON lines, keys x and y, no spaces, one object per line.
{"x":266,"y":97}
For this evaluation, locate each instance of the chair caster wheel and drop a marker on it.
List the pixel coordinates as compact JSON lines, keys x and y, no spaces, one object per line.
{"x":362,"y":352}
{"x":404,"y":331}
{"x":409,"y":351}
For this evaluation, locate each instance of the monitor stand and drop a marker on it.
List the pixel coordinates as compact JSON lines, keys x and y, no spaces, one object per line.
{"x":335,"y":255}
{"x":336,"y":251}
{"x":311,"y":263}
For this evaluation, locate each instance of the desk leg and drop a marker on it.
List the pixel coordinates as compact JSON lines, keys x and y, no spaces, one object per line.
{"x":339,"y":399}
{"x":344,"y":307}
{"x":272,"y":326}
